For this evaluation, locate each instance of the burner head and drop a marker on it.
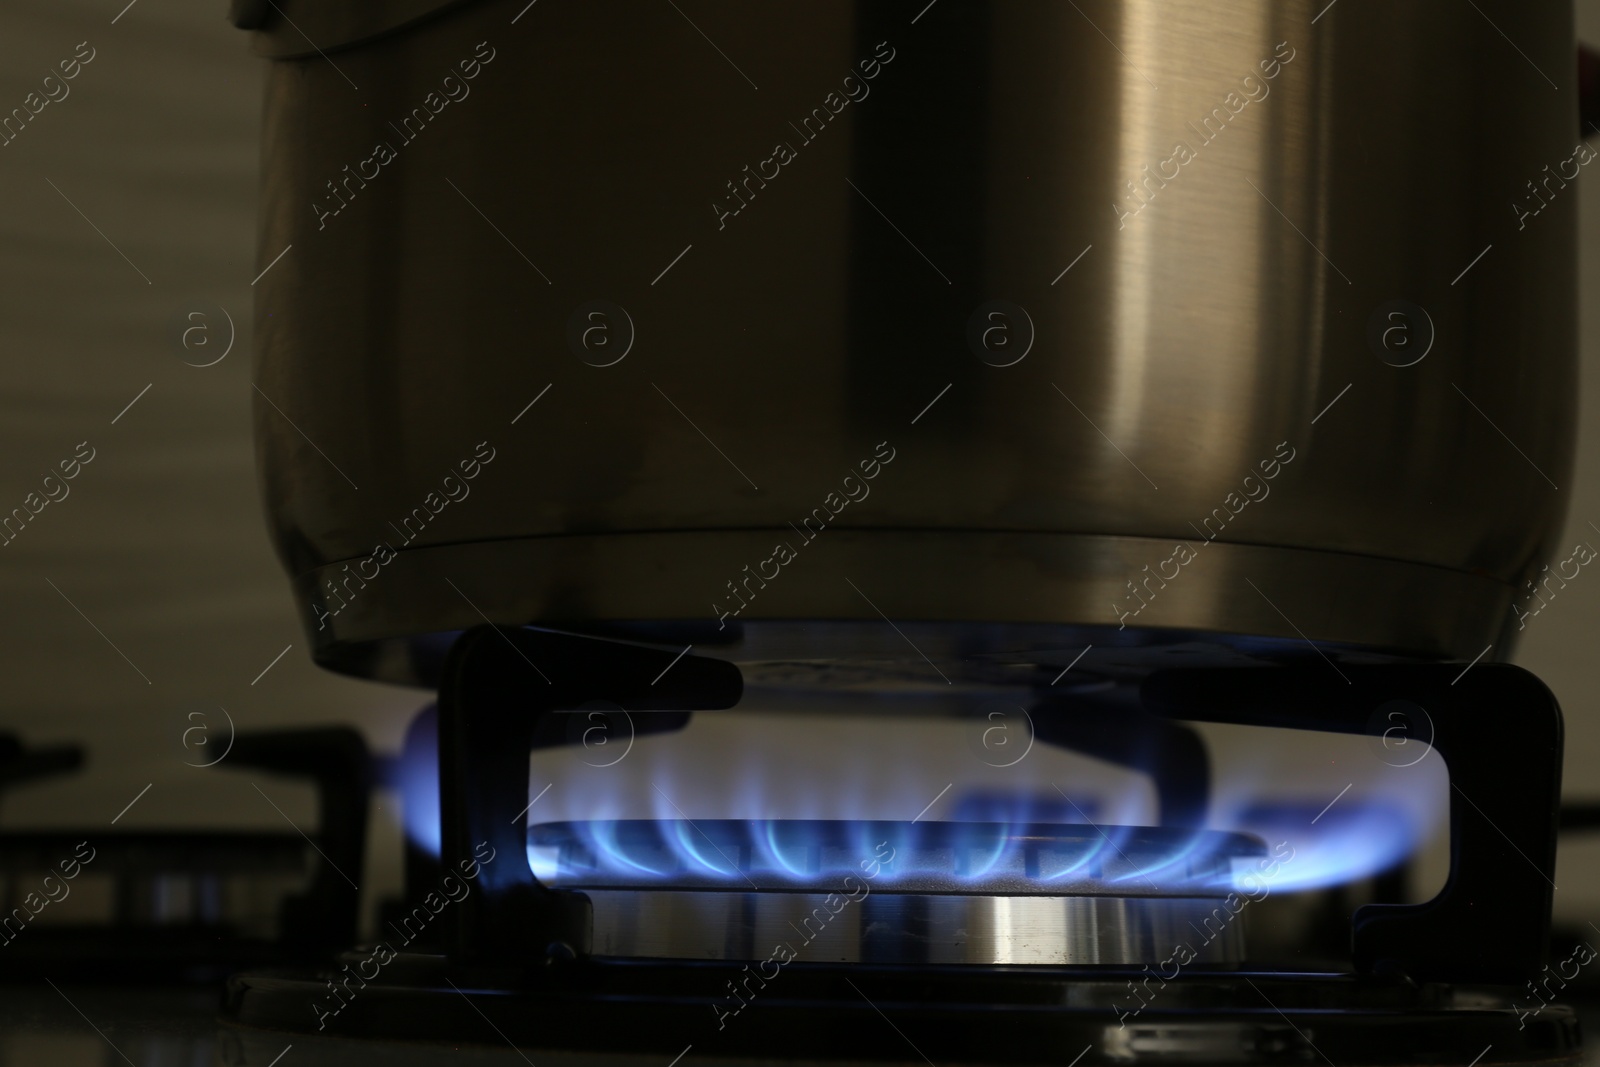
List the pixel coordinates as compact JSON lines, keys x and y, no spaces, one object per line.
{"x":936,"y":892}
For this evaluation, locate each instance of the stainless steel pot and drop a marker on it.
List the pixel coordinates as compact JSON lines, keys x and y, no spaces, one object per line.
{"x":1156,"y":326}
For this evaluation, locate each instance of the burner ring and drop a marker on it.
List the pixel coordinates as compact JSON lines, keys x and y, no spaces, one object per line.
{"x":891,"y":892}
{"x":774,"y":928}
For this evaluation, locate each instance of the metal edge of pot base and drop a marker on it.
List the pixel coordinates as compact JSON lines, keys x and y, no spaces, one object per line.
{"x":1068,"y":583}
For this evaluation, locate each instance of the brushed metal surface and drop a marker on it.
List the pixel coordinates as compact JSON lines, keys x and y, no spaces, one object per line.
{"x":776,"y":348}
{"x":912,"y":928}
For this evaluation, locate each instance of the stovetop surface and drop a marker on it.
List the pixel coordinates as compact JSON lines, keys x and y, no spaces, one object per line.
{"x":178,"y":1027}
{"x":94,"y":1026}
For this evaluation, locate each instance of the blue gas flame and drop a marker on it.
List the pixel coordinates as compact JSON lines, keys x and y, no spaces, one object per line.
{"x":931,"y":856}
{"x":418,"y":773}
{"x":1376,"y":825}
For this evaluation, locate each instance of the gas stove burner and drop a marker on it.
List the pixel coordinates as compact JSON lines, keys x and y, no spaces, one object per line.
{"x":898,"y":892}
{"x":806,"y":942}
{"x":184,"y":904}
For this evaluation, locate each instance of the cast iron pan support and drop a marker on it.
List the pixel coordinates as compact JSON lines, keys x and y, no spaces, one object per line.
{"x":1499,"y":731}
{"x":325,"y":917}
{"x":1173,"y":755}
{"x":503,"y":694}
{"x":19,"y":764}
